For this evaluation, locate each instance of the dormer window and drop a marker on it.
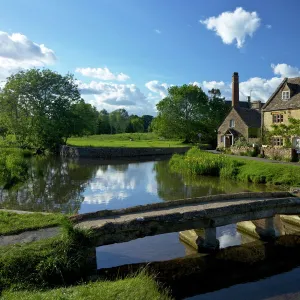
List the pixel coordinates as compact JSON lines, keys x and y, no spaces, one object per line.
{"x":231,"y":123}
{"x":285,"y":95}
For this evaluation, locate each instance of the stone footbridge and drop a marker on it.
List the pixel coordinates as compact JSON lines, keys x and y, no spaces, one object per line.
{"x":207,"y":213}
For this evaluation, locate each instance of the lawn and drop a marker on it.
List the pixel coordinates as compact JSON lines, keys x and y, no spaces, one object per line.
{"x":130,"y":140}
{"x":13,"y":223}
{"x":138,"y":287}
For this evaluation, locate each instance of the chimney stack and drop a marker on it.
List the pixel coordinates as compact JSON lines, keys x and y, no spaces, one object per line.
{"x":235,"y":89}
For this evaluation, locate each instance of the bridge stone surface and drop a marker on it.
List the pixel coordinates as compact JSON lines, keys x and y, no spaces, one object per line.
{"x":203,"y":212}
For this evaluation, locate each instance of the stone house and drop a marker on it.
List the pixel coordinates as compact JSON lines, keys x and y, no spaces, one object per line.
{"x":243,"y":120}
{"x":283,"y":104}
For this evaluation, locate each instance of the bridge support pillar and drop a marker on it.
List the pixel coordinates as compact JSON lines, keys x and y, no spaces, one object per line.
{"x":263,"y":228}
{"x":200,"y":239}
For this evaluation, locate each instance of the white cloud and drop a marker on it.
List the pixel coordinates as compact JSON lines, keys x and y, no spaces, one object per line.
{"x":285,"y":70}
{"x":159,"y":88}
{"x":233,"y":26}
{"x":18,"y":52}
{"x":157,"y":31}
{"x":112,"y":96}
{"x":102,"y":73}
{"x":213,"y":85}
{"x":268,"y":26}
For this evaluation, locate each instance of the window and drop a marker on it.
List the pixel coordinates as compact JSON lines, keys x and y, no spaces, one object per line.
{"x":222,"y":139}
{"x":231,"y":123}
{"x":277,"y":141}
{"x":277,"y":118}
{"x":285,"y":95}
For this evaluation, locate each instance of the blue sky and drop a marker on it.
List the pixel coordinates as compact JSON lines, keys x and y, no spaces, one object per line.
{"x":126,"y":53}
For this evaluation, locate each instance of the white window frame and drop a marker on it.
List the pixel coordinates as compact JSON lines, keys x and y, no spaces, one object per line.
{"x":285,"y":95}
{"x":232,"y":123}
{"x":222,"y":138}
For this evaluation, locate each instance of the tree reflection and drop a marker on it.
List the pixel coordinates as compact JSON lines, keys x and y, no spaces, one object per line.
{"x":53,"y":185}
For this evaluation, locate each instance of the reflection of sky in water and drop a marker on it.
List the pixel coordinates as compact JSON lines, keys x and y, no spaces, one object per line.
{"x":115,"y":188}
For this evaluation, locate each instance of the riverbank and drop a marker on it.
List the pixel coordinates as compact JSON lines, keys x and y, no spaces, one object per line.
{"x":32,"y":270}
{"x":197,"y":162}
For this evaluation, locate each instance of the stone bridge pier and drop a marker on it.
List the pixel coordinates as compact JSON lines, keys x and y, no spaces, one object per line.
{"x":264,"y":229}
{"x":200,"y":239}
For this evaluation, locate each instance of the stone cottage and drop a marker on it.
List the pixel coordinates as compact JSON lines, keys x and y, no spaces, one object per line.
{"x":243,"y":120}
{"x":283,"y":104}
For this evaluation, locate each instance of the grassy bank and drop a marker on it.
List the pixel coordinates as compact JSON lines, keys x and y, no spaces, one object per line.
{"x":65,"y":259}
{"x":13,"y":223}
{"x":130,"y":140}
{"x":141,"y":286}
{"x":197,"y":162}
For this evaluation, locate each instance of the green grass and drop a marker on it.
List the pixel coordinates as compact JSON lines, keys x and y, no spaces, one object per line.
{"x":197,"y":162}
{"x":13,"y":223}
{"x":139,"y":140}
{"x":139,"y":287}
{"x":65,"y":259}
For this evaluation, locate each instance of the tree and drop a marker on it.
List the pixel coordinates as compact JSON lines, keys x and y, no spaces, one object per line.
{"x":217,"y":111}
{"x":36,"y":106}
{"x":183,"y":113}
{"x":118,"y":120}
{"x":147,"y":119}
{"x":85,"y":119}
{"x":103,"y":122}
{"x":136,"y":124}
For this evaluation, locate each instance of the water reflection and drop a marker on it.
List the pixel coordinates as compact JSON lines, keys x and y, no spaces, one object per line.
{"x":90,"y":185}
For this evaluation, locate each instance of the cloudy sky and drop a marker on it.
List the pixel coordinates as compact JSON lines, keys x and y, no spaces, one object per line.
{"x":126,"y":53}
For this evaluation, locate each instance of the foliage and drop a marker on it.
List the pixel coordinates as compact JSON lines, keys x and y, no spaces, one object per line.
{"x":147,"y":119}
{"x":135,"y":140}
{"x":241,"y":142}
{"x":103,"y":123}
{"x":140,"y":286}
{"x":13,"y":166}
{"x":188,"y":111}
{"x":51,"y":262}
{"x":287,"y":131}
{"x":197,"y":162}
{"x":12,"y":223}
{"x":136,"y":124}
{"x":36,"y":106}
{"x":119,"y":120}
{"x":183,"y":113}
{"x":85,"y":118}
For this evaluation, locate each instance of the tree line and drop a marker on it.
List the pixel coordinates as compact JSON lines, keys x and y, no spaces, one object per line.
{"x":41,"y":109}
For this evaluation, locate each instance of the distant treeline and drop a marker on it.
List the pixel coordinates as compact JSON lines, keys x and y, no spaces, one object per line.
{"x":119,"y":121}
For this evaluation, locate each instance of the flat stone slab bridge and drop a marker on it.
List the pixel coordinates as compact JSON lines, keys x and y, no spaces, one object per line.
{"x":207,"y":213}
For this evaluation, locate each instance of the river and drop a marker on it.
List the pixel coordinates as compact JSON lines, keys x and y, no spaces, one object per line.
{"x":81,"y":186}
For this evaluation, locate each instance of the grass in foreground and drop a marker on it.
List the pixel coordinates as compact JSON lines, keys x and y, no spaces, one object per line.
{"x":13,"y":223}
{"x":141,"y":287}
{"x":59,"y":261}
{"x":139,"y":140}
{"x":197,"y":162}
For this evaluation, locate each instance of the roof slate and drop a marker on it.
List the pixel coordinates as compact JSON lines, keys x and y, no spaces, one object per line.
{"x":251,"y":117}
{"x":276,"y":103}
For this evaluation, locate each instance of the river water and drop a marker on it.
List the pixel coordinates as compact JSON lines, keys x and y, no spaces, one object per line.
{"x":81,"y":186}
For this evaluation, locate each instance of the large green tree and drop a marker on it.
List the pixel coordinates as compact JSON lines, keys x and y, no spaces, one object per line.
{"x":103,"y":122}
{"x":36,"y":106}
{"x":183,"y":113}
{"x":118,"y":120}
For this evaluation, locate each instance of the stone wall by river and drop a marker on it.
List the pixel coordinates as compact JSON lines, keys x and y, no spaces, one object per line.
{"x":114,"y":152}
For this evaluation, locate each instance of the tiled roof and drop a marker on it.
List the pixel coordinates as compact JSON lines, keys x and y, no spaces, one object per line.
{"x":276,"y":103}
{"x":251,"y":117}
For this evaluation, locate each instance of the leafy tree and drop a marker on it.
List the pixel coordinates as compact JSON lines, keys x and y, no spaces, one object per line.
{"x":85,"y":119}
{"x":36,"y":106}
{"x":183,"y":113}
{"x":103,"y":122}
{"x":118,"y":120}
{"x":136,"y":124}
{"x":147,"y":119}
